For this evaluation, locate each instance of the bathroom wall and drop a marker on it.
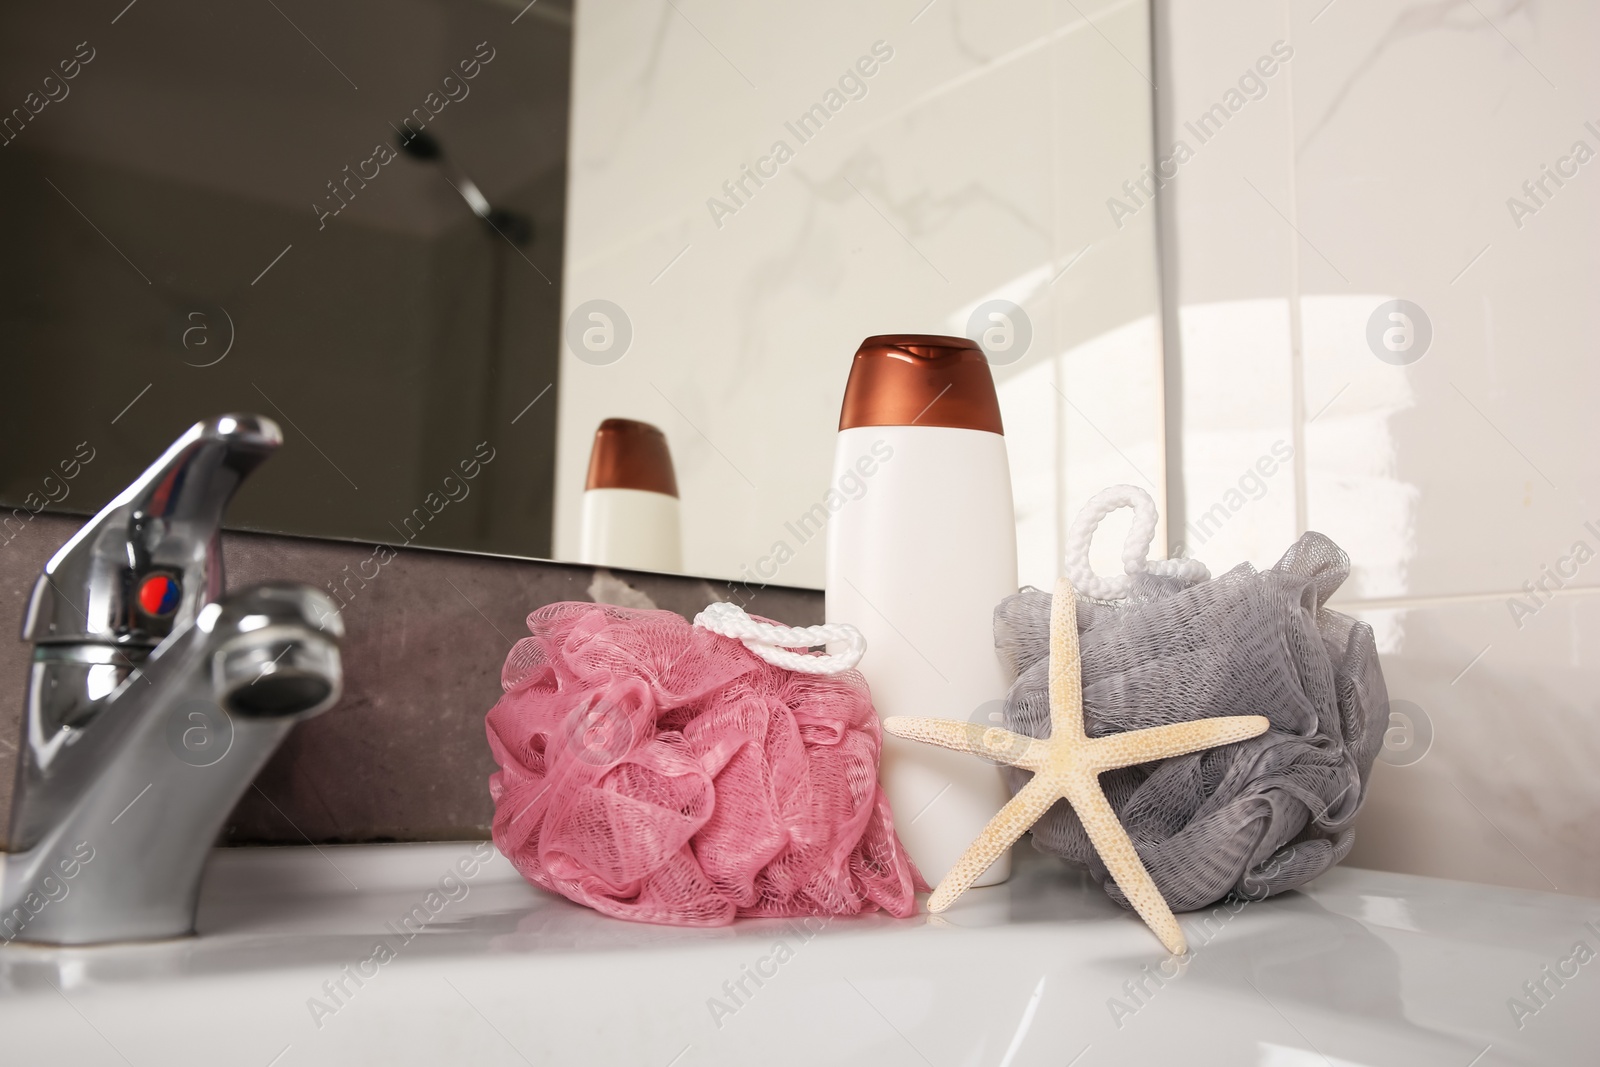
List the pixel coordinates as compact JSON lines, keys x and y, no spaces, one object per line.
{"x":1386,"y":160}
{"x":972,"y":164}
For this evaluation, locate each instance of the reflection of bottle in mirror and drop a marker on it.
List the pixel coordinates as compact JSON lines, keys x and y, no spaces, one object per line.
{"x":630,"y":503}
{"x":918,"y":563}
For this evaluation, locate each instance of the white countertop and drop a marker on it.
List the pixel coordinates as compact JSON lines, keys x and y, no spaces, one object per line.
{"x":1363,"y":967}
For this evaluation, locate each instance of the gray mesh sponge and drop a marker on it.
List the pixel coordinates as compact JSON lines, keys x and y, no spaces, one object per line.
{"x":1254,"y":818}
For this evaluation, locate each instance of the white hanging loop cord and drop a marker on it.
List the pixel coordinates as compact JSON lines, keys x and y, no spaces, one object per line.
{"x":1135,"y":547}
{"x":773,"y":643}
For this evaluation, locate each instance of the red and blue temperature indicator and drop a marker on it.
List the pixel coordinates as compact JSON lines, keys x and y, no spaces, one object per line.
{"x":159,"y":595}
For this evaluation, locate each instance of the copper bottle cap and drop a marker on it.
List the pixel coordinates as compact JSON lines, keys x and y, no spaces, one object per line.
{"x":631,"y":455}
{"x":912,"y":379}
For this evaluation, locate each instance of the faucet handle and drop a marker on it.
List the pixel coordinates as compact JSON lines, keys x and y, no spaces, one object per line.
{"x":151,"y":559}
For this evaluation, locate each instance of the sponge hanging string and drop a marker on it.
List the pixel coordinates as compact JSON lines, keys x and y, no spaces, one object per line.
{"x":1135,"y":547}
{"x":773,"y":642}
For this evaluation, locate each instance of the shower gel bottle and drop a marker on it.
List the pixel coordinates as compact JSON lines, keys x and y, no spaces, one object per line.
{"x":631,"y":514}
{"x":918,"y":562}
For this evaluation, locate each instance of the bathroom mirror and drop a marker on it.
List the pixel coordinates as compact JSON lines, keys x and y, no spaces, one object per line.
{"x":212,"y":211}
{"x":681,"y":214}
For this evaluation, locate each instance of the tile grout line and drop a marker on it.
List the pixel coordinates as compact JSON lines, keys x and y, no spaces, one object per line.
{"x":1297,"y":364}
{"x":1159,"y":204}
{"x":1061,"y":518}
{"x":1445,"y":599}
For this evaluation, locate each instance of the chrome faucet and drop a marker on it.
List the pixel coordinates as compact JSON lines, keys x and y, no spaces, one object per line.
{"x":154,"y":698}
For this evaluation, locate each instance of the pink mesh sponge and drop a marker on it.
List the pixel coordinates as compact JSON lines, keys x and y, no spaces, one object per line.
{"x":657,"y":771}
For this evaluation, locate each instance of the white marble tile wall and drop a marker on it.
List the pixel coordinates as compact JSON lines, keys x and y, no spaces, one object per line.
{"x":973,"y":163}
{"x":1441,"y":153}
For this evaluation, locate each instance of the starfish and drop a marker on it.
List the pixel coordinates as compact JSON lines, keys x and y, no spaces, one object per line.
{"x":1068,"y":764}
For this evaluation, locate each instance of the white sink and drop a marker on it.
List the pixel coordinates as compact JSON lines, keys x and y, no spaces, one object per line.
{"x":1361,"y":968}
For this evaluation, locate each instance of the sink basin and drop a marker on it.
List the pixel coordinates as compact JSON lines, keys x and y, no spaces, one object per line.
{"x":440,"y":954}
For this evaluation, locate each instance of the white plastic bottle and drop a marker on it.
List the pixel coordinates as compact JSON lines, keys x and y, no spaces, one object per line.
{"x":631,"y":515}
{"x":918,"y":563}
